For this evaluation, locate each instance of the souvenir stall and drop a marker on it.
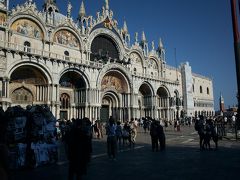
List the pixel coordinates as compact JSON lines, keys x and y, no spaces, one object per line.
{"x":31,"y":136}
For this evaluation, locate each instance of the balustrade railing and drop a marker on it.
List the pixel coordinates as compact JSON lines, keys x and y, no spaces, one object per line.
{"x":47,"y":54}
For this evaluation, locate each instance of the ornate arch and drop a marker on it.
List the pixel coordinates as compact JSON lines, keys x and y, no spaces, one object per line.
{"x":28,"y":17}
{"x":112,"y":95}
{"x":166,"y":89}
{"x":140,"y":55}
{"x":149,"y":85}
{"x":110,"y":34}
{"x":44,"y":69}
{"x":119,"y":69}
{"x":70,"y":30}
{"x":155,"y":60}
{"x":84,"y":76}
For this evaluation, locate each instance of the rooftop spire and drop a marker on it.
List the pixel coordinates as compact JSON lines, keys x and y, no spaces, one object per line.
{"x":125,"y":28}
{"x":69,"y":9}
{"x":160,"y":45}
{"x":143,"y":37}
{"x":82,"y":11}
{"x":107,"y":4}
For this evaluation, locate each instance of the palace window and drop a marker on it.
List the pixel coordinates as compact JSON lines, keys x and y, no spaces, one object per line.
{"x":200,"y":89}
{"x":66,"y":54}
{"x":207,"y":90}
{"x":65,"y":101}
{"x":27,"y":46}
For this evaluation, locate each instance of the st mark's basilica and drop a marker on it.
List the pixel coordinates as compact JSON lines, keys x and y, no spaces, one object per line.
{"x":87,"y":67}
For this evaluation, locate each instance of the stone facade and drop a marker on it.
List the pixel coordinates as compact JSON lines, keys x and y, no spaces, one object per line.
{"x":89,"y":68}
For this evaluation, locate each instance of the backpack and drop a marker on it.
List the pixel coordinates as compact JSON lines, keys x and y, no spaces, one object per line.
{"x":111,"y":130}
{"x":196,"y":126}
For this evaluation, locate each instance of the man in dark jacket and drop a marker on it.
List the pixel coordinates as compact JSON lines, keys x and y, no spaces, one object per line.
{"x":79,"y":148}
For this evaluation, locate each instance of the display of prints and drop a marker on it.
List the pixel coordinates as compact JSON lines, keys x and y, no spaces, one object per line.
{"x":65,"y":37}
{"x":27,"y":28}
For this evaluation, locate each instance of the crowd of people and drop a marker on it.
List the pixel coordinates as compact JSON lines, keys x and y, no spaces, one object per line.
{"x":77,"y":134}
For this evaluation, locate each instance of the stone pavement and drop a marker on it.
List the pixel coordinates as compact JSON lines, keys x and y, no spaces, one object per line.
{"x":182,"y":160}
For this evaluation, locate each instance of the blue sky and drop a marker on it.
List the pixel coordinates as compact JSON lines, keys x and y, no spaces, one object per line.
{"x":200,"y":30}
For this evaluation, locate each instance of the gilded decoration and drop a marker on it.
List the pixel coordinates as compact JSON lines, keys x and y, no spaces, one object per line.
{"x":3,"y":18}
{"x":135,"y":58}
{"x":22,"y":96}
{"x":107,"y":24}
{"x":113,"y":82}
{"x":65,"y":37}
{"x":27,"y":28}
{"x":152,"y":64}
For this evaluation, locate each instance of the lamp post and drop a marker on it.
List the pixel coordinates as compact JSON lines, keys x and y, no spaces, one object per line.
{"x":237,"y":54}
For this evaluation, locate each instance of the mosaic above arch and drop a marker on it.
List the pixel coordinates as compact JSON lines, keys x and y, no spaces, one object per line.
{"x":135,"y":58}
{"x":112,"y":81}
{"x":66,"y":38}
{"x":152,"y":64}
{"x":27,"y":28}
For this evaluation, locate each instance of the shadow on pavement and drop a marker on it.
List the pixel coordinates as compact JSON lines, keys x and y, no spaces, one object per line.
{"x":176,"y":162}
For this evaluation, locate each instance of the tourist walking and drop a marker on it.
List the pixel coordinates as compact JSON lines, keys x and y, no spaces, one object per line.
{"x":111,"y":139}
{"x":154,"y":135}
{"x":119,"y":133}
{"x":161,"y":136}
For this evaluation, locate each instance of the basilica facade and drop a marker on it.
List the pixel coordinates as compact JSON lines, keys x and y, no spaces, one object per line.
{"x":88,"y":67}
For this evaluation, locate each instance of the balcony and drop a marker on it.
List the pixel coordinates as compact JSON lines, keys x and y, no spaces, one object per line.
{"x":13,"y":47}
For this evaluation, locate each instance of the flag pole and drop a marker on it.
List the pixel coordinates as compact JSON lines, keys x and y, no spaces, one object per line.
{"x":237,"y":55}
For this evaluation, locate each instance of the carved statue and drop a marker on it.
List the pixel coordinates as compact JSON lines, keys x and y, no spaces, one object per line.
{"x":136,"y":36}
{"x":107,"y":4}
{"x":69,"y":9}
{"x":153,"y":46}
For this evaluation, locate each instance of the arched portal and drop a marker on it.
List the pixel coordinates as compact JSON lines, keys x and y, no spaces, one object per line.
{"x":145,"y":101}
{"x":115,"y":99}
{"x":110,"y":106}
{"x":163,"y":103}
{"x":73,"y":95}
{"x":28,"y":85}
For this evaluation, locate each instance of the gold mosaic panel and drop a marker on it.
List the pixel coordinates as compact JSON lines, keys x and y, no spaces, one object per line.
{"x":27,"y":28}
{"x":65,"y":37}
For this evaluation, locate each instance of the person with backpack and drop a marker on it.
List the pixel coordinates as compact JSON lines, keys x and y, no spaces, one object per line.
{"x":119,"y":133}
